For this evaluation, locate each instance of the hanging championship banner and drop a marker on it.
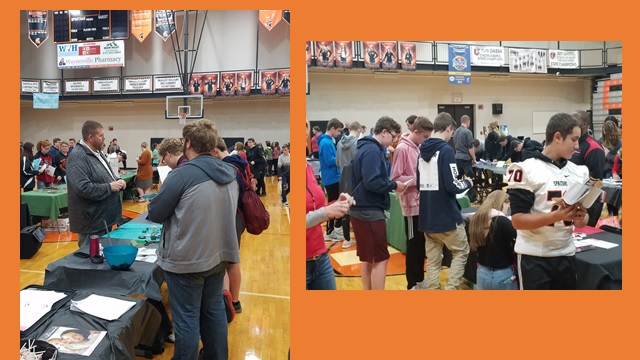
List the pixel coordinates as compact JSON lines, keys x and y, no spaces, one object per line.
{"x":371,"y":53}
{"x":308,"y":53}
{"x":244,"y":79}
{"x":196,"y":85}
{"x":324,"y":54}
{"x":37,"y":26}
{"x":459,"y":64}
{"x":210,"y":85}
{"x":528,"y":60}
{"x":284,"y":85}
{"x":164,"y":23}
{"x":270,"y":18}
{"x":228,"y":84}
{"x":268,"y":80}
{"x":408,"y":56}
{"x":487,"y":56}
{"x":344,"y":54}
{"x":141,"y":24}
{"x":389,"y":55}
{"x":563,"y":59}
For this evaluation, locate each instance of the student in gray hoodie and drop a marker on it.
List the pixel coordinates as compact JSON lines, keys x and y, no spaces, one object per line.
{"x":345,"y":153}
{"x":197,"y":206}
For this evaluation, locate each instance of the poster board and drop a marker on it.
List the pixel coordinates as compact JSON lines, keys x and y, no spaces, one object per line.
{"x":540,"y":119}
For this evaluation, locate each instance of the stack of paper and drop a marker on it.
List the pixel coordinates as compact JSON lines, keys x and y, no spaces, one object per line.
{"x":104,"y":307}
{"x":34,"y":304}
{"x":147,"y":255}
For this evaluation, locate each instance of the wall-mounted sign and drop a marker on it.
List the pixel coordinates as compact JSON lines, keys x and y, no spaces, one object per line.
{"x":170,"y":83}
{"x":29,"y":86}
{"x":138,"y":84}
{"x":77,"y":87}
{"x":106,"y":85}
{"x":51,"y":86}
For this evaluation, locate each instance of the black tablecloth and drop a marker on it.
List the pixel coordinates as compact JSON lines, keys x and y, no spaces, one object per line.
{"x":72,"y":272}
{"x":613,"y":195}
{"x":601,"y":268}
{"x":137,"y":326}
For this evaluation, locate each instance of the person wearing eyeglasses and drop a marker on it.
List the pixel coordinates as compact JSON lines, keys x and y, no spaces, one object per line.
{"x":371,"y":186}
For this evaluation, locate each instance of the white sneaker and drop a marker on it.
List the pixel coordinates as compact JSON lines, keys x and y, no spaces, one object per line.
{"x":347,"y":244}
{"x":333,"y":237}
{"x":339,"y":231}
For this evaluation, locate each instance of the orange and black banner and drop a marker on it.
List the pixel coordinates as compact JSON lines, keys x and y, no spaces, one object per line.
{"x":324,"y":54}
{"x":37,"y":23}
{"x":209,"y":85}
{"x":141,"y":22}
{"x":284,"y":82}
{"x":164,"y":23}
{"x":308,"y":53}
{"x":244,"y":80}
{"x":344,"y":54}
{"x":609,"y":86}
{"x":408,"y":56}
{"x":196,"y":85}
{"x":270,"y":18}
{"x":268,"y":81}
{"x":389,"y":55}
{"x":228,"y":83}
{"x":371,"y":53}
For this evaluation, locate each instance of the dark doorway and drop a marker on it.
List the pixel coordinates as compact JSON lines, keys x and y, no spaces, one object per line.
{"x":457,"y":110}
{"x":231,"y":142}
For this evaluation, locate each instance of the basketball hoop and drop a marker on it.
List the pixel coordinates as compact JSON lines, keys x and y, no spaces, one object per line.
{"x":183,"y":118}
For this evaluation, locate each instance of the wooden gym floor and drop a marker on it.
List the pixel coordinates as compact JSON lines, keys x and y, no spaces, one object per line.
{"x":261,"y":331}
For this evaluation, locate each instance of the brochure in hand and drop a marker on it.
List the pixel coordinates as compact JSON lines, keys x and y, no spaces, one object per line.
{"x":584,"y":194}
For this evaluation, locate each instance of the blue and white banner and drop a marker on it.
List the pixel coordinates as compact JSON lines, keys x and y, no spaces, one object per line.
{"x":91,"y":55}
{"x":459,"y":64}
{"x":45,"y":101}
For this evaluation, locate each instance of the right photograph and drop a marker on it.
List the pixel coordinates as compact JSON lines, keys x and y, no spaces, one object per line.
{"x":464,"y":165}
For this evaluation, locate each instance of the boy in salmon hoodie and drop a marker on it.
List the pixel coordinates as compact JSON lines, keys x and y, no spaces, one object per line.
{"x":404,"y":170}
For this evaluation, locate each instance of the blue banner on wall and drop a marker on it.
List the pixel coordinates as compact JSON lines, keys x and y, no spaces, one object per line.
{"x":45,"y":101}
{"x":459,"y":64}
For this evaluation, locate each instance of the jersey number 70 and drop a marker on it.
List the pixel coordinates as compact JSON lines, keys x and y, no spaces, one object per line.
{"x":516,"y":175}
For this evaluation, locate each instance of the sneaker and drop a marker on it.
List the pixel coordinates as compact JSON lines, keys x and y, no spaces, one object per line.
{"x":171,"y":338}
{"x":333,"y":237}
{"x":228,"y":305}
{"x":237,"y":307}
{"x":348,"y":243}
{"x":286,"y":203}
{"x":339,"y":232}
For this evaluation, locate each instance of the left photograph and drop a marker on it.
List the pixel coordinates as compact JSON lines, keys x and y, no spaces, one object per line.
{"x":154,"y":183}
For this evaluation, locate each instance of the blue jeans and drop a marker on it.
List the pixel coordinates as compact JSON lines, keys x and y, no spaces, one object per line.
{"x":285,"y":187}
{"x":496,"y":279}
{"x":320,"y":274}
{"x":198,"y":312}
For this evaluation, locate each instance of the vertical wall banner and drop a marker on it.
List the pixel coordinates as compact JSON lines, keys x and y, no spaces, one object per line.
{"x":389,"y":55}
{"x":324,"y":54}
{"x":308,"y":53}
{"x":459,"y":64}
{"x":371,"y":53}
{"x":344,"y":54}
{"x":210,"y":85}
{"x":228,"y":83}
{"x":284,"y":82}
{"x":563,"y":59}
{"x":244,"y":80}
{"x":37,"y":23}
{"x":141,"y":21}
{"x":268,"y":81}
{"x":196,"y":85}
{"x":270,"y":18}
{"x":408,"y":56}
{"x":164,"y":23}
{"x":487,"y":56}
{"x":528,"y":60}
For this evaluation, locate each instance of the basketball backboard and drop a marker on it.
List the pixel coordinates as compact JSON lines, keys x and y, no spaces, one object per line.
{"x":190,"y":104}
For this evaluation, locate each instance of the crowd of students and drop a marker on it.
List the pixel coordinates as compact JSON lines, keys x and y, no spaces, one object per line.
{"x":431,"y":164}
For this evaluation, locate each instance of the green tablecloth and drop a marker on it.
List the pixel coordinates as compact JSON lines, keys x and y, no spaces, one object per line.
{"x":396,"y":236}
{"x":45,"y":204}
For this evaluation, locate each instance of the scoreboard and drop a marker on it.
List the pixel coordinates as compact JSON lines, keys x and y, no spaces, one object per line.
{"x":90,"y":25}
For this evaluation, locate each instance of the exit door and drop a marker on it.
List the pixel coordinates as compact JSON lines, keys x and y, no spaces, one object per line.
{"x":456,"y":111}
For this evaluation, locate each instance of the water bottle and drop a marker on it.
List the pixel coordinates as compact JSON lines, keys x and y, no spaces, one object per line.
{"x":94,"y":249}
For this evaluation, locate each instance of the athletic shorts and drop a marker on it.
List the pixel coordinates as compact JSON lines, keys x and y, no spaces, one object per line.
{"x":372,"y":240}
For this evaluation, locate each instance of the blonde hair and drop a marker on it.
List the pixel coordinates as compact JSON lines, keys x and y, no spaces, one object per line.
{"x":480,"y":228}
{"x":493,"y":125}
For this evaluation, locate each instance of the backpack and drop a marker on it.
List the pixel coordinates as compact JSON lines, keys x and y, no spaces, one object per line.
{"x":254,"y":215}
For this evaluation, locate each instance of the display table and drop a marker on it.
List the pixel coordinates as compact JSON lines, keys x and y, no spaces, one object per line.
{"x":137,"y":326}
{"x":502,"y":170}
{"x":612,"y":194}
{"x":46,"y":202}
{"x":601,"y":269}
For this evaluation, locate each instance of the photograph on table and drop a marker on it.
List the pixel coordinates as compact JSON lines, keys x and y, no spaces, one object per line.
{"x":73,"y":340}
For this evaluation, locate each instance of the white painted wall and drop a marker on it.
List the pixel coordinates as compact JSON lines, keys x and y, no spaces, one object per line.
{"x":262,"y":119}
{"x":365,"y":98}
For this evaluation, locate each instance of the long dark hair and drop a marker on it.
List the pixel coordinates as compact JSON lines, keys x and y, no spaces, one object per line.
{"x":27,"y":150}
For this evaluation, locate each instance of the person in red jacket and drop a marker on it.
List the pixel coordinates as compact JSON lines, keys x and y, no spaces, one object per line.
{"x":45,"y":176}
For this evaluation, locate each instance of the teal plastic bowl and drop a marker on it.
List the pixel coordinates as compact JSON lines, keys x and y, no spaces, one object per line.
{"x":120,"y":257}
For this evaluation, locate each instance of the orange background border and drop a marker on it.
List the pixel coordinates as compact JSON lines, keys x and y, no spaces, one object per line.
{"x":397,"y":324}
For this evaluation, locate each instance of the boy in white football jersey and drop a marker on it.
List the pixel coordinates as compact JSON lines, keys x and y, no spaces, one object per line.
{"x":545,"y":248}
